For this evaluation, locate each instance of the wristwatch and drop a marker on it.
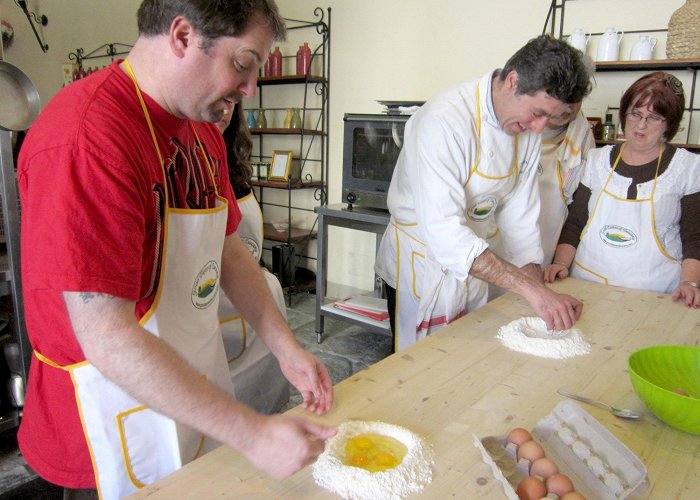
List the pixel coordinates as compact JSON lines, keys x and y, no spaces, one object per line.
{"x":694,"y":284}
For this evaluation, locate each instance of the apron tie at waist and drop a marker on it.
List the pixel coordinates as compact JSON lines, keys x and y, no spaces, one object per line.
{"x":49,"y":362}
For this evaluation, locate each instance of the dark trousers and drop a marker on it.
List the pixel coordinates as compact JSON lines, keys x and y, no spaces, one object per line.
{"x":391,"y":306}
{"x":80,"y":494}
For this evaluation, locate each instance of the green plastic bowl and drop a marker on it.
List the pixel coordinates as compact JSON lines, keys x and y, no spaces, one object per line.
{"x":657,"y":372}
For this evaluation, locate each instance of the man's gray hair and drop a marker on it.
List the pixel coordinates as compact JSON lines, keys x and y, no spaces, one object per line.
{"x":551,"y":65}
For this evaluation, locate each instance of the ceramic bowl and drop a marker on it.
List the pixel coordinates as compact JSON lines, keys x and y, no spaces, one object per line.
{"x":667,"y":379}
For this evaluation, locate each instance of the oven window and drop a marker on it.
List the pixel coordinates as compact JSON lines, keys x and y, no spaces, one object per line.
{"x":375,"y":150}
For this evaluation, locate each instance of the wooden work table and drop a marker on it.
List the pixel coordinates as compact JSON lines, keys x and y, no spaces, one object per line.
{"x":462,"y":381}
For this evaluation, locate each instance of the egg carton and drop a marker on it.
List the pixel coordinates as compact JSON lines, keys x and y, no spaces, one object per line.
{"x":599,"y":465}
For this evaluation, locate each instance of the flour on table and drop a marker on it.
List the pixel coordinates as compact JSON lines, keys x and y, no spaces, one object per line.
{"x":530,"y":336}
{"x":355,"y":483}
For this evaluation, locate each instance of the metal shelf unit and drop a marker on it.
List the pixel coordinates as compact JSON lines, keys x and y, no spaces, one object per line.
{"x":10,"y":278}
{"x":313,"y":104}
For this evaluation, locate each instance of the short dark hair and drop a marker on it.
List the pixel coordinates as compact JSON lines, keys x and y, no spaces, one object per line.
{"x":550,"y":65}
{"x":661,"y":92}
{"x":212,"y":18}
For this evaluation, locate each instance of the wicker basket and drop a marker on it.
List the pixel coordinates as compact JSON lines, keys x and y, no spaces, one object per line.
{"x":683,"y":40}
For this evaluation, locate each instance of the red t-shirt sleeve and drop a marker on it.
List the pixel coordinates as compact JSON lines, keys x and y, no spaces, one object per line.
{"x":87,"y":226}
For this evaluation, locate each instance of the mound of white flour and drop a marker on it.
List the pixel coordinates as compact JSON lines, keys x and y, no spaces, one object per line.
{"x":530,"y":336}
{"x":359,"y":484}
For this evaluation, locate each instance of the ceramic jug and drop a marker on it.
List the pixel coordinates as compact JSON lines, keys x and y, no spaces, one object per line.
{"x":643,"y":50}
{"x":609,"y":45}
{"x":578,"y":40}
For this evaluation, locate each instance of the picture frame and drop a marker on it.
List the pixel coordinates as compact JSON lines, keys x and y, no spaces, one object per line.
{"x":280,"y":166}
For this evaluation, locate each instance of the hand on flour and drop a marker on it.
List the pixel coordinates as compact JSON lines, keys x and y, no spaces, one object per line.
{"x":284,"y":444}
{"x":555,"y":271}
{"x":310,"y":377}
{"x":559,"y":311}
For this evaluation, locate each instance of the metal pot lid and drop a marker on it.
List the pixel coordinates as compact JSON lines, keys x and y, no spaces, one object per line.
{"x":20,"y":104}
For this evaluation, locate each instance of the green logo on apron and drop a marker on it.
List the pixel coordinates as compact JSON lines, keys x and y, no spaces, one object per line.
{"x":617,"y":236}
{"x":482,"y":209}
{"x":205,"y":285}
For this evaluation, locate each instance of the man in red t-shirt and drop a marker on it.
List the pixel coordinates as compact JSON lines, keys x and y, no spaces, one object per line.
{"x":128,"y":234}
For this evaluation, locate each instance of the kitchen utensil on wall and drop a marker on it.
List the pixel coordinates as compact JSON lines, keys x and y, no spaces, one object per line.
{"x":609,"y":45}
{"x":579,"y":40}
{"x":20,"y":103}
{"x":643,"y":50}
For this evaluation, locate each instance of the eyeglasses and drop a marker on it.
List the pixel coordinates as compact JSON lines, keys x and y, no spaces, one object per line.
{"x":636,"y":117}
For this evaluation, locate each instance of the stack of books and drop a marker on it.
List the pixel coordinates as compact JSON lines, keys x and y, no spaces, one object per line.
{"x":371,"y":307}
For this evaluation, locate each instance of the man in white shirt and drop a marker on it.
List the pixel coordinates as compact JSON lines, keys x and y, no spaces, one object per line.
{"x":465,"y":180}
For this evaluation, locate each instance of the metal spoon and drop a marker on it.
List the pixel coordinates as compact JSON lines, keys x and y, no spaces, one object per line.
{"x":618,"y":412}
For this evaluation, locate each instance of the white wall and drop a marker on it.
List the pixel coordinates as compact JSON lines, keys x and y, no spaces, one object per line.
{"x":72,"y":24}
{"x":381,"y":50}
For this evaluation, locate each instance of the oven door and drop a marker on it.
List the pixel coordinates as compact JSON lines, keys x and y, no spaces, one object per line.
{"x":371,"y":146}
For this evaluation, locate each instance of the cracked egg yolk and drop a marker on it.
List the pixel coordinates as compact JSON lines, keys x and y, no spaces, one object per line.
{"x":374,"y":452}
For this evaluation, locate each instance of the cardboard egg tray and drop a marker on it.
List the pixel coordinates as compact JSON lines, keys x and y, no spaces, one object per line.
{"x":599,"y":465}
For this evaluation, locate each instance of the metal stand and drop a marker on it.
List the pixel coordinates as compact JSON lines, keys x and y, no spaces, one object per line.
{"x":11,"y":283}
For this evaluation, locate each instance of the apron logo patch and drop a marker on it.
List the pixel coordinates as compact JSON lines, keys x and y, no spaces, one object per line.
{"x":204,"y":288}
{"x":482,"y":209}
{"x":617,"y":236}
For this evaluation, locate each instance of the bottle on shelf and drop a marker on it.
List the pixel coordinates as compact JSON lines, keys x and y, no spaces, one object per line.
{"x":276,"y":62}
{"x":303,"y":59}
{"x":250,"y":119}
{"x":608,"y":128}
{"x":261,"y":120}
{"x":296,"y":118}
{"x":288,"y":118}
{"x":267,"y":69}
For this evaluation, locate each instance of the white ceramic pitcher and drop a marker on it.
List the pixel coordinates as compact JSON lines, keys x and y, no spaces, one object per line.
{"x":578,"y":39}
{"x":609,"y":46}
{"x":643,"y":50}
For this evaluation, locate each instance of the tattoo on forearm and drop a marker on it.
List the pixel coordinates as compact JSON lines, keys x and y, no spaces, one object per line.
{"x":89,"y":296}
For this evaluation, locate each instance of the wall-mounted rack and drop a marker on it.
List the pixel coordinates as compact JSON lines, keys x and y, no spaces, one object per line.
{"x":110,"y":50}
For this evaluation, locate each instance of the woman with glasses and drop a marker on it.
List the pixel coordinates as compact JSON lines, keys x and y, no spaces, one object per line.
{"x":635,"y":217}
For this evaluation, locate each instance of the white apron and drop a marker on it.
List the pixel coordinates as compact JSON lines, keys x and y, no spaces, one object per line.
{"x":561,"y":164}
{"x":619,"y":245}
{"x":130,"y":444}
{"x":428,"y":296}
{"x":254,"y":371}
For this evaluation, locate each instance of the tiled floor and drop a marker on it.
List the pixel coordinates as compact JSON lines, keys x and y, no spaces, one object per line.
{"x":345,"y":350}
